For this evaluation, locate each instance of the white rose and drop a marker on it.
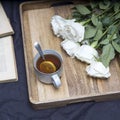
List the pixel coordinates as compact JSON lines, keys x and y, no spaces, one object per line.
{"x":70,"y":47}
{"x":87,"y":54}
{"x":97,"y":69}
{"x":67,"y":29}
{"x":58,"y":24}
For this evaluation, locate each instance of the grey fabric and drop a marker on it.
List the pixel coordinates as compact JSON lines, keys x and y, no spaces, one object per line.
{"x":14,"y":101}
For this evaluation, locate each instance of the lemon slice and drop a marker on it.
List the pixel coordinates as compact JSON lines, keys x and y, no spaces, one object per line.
{"x":47,"y":67}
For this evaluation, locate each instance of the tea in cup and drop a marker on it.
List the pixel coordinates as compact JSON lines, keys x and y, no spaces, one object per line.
{"x":49,"y":70}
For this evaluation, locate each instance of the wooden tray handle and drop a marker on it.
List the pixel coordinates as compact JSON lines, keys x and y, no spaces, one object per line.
{"x":61,"y":3}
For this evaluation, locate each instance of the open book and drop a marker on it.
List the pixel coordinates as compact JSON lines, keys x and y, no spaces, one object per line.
{"x":8,"y":70}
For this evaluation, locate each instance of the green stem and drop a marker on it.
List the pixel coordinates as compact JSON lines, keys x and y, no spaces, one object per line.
{"x":115,"y":14}
{"x":114,"y":32}
{"x":108,"y":28}
{"x":105,"y":11}
{"x":106,"y":32}
{"x":87,"y":21}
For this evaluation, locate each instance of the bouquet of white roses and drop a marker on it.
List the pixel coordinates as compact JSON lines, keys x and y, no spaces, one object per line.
{"x":92,"y":35}
{"x":102,"y":27}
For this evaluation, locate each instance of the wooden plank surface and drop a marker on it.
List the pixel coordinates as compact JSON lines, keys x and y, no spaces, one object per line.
{"x":5,"y":27}
{"x":8,"y":70}
{"x":76,"y":85}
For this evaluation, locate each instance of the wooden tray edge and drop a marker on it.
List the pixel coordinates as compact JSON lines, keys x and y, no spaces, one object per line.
{"x":60,"y":103}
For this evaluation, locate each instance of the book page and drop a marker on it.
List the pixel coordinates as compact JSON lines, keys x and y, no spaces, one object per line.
{"x":8,"y":70}
{"x":5,"y":27}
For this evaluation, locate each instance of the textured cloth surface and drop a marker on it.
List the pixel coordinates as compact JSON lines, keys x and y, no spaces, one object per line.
{"x":14,"y":101}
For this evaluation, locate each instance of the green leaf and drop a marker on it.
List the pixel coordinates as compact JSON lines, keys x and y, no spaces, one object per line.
{"x":76,"y":14}
{"x":106,"y":21}
{"x":93,"y":4}
{"x":94,"y":44}
{"x":83,"y":9}
{"x":104,"y":42}
{"x":112,"y":29}
{"x":90,"y":32}
{"x":100,"y":25}
{"x":116,"y":46}
{"x":98,"y":35}
{"x":117,"y":40}
{"x":116,"y":6}
{"x":107,"y":55}
{"x":112,"y":37}
{"x":104,"y":4}
{"x":94,"y":19}
{"x":117,"y":16}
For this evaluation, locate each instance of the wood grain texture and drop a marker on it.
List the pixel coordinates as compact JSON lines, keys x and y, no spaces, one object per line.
{"x":76,"y":85}
{"x":5,"y":27}
{"x":8,"y":69}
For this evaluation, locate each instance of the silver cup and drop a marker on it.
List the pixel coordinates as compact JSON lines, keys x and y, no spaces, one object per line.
{"x":49,"y":78}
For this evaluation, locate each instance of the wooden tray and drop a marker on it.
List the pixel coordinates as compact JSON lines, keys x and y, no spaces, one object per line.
{"x":76,"y":85}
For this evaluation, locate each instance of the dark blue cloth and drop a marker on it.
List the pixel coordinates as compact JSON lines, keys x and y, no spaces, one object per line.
{"x":14,"y":101}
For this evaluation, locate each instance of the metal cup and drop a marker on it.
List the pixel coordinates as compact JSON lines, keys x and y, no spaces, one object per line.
{"x":49,"y":78}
